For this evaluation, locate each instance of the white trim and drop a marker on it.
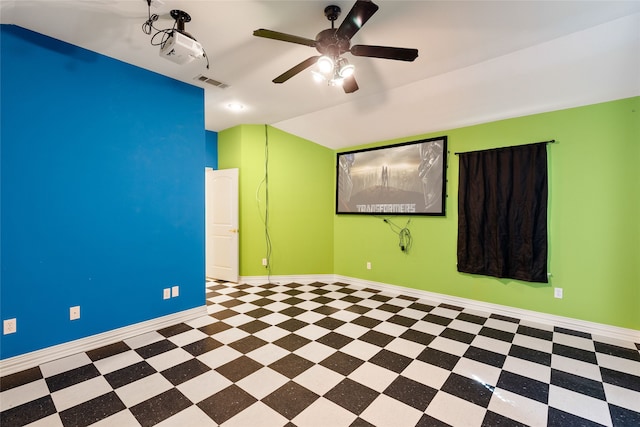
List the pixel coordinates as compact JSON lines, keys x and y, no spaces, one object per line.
{"x":38,"y":357}
{"x":600,"y":329}
{"x":615,"y":332}
{"x":302,"y":279}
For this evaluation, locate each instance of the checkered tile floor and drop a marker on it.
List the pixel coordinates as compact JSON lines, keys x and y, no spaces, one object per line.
{"x":332,"y":355}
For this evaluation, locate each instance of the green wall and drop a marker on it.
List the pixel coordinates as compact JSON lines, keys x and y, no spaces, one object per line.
{"x":594,"y":220}
{"x":300,"y":178}
{"x":594,"y":214}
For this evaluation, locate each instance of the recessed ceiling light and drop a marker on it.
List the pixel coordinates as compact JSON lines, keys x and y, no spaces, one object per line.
{"x":235,"y":106}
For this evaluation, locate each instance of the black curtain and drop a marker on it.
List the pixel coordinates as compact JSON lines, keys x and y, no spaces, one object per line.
{"x":502,"y":213}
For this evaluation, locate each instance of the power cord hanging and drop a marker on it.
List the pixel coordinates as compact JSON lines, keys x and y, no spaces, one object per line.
{"x":148,"y":27}
{"x":266,"y":198}
{"x":265,"y":217}
{"x":404,"y":235}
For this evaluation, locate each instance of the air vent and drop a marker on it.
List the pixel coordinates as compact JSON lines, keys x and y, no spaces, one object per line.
{"x":213,"y":82}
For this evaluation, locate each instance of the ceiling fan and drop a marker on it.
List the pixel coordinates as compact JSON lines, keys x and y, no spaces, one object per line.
{"x":333,"y":42}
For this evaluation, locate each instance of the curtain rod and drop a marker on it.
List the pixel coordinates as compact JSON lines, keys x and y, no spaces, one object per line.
{"x":551,"y":141}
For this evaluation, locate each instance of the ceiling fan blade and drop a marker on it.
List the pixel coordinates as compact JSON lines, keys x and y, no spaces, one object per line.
{"x":385,"y":52}
{"x":359,"y":14}
{"x":295,"y":70}
{"x":350,"y":85}
{"x":275,"y":35}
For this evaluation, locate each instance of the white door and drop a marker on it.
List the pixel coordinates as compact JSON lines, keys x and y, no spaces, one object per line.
{"x":221,"y":224}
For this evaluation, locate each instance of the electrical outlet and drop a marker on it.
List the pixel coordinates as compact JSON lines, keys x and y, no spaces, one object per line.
{"x":166,"y":293}
{"x":175,"y":291}
{"x":264,"y":262}
{"x":557,"y":292}
{"x":9,"y":326}
{"x":368,"y":265}
{"x":74,"y":313}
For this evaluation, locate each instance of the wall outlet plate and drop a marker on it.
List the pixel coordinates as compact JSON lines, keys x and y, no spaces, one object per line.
{"x":368,"y":266}
{"x":166,"y":293}
{"x":557,"y":292}
{"x":175,"y":291}
{"x":74,"y":312}
{"x":9,"y":326}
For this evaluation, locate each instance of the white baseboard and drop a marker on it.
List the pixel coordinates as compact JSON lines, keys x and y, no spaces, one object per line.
{"x":277,"y":280}
{"x":593,"y":328}
{"x":618,"y":333}
{"x":38,"y":357}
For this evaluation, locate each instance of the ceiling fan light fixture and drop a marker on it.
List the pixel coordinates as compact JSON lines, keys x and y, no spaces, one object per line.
{"x":325,"y":64}
{"x":334,"y":74}
{"x":318,"y":76}
{"x":333,"y":42}
{"x":345,"y":69}
{"x":336,"y":81}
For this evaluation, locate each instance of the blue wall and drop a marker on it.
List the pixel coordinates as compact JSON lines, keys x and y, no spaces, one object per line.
{"x":102,"y":192}
{"x":211,"y":150}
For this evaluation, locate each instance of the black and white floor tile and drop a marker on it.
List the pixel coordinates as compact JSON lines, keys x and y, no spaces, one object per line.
{"x":332,"y":355}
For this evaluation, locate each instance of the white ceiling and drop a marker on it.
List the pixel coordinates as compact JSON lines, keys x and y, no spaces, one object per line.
{"x":478,"y":60}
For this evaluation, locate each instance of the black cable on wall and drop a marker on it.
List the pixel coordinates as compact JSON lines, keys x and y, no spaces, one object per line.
{"x":266,"y":207}
{"x":404,"y":235}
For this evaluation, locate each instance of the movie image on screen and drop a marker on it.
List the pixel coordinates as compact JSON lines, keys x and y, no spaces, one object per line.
{"x":400,"y":179}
